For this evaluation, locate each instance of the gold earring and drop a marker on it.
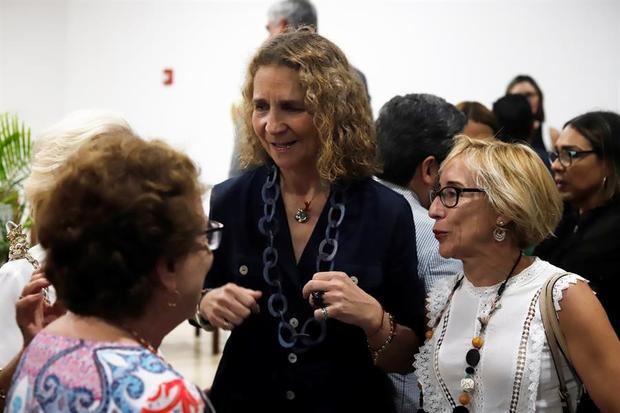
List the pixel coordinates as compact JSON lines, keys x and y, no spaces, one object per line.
{"x":172,"y":304}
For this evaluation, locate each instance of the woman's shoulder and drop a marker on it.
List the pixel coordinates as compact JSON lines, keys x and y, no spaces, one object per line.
{"x":377,"y":195}
{"x":131,"y":375}
{"x":235,"y":188}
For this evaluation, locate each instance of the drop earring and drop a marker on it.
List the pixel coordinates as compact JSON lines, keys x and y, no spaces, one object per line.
{"x":172,"y":304}
{"x":499,"y":232}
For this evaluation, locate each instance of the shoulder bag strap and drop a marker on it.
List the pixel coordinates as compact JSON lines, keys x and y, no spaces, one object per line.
{"x":555,"y":338}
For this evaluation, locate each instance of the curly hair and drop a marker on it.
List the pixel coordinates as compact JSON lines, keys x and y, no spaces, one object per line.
{"x":517,"y":183}
{"x":119,"y":206}
{"x":334,"y":96}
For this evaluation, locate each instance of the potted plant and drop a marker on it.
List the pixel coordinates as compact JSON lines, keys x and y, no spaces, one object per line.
{"x":15,"y":153}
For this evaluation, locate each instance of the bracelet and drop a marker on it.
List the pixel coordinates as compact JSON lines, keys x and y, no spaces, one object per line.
{"x":376,"y":352}
{"x":199,"y":319}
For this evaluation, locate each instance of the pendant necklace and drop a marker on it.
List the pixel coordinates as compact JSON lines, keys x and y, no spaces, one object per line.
{"x":472,"y":358}
{"x":303,"y":214}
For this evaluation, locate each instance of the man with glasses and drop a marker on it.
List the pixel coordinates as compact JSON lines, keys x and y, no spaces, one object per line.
{"x":414,"y":135}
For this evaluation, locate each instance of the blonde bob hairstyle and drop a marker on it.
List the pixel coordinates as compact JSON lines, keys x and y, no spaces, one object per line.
{"x":56,"y":144}
{"x":334,"y":96}
{"x":517,"y":184}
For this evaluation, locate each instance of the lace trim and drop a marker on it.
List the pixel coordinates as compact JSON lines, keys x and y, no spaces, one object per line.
{"x":538,"y":340}
{"x":524,"y":277}
{"x":423,"y":361}
{"x":522,"y":355}
{"x":561,"y":285}
{"x":533,"y":364}
{"x":438,"y":297}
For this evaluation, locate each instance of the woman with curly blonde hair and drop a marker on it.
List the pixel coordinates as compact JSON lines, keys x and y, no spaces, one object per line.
{"x":317,"y":278}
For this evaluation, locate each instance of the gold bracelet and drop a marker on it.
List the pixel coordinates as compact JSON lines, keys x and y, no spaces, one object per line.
{"x":376,"y":352}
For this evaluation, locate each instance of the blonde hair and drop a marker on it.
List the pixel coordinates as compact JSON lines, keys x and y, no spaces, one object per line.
{"x":334,"y":95}
{"x":56,"y":144}
{"x":517,"y":184}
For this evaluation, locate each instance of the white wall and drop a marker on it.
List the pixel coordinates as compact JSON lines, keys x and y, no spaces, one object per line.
{"x":61,"y":55}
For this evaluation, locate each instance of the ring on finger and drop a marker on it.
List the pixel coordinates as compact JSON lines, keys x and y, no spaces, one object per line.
{"x":317,"y":299}
{"x":325,"y":314}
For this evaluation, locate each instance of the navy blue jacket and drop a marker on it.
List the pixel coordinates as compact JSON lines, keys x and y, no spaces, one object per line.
{"x":376,"y":245}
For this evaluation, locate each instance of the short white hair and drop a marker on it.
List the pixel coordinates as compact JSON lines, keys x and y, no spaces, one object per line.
{"x":57,"y":143}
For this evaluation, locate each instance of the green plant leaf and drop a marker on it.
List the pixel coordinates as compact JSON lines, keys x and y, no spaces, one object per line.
{"x":15,"y":156}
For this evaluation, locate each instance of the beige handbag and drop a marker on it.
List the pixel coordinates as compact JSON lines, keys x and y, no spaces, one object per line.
{"x":556,"y":340}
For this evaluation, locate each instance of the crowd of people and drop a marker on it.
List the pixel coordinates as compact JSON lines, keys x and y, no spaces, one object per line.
{"x":397,"y":264}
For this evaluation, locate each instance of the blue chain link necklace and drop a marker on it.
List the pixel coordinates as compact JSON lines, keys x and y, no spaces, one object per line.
{"x":312,"y":331}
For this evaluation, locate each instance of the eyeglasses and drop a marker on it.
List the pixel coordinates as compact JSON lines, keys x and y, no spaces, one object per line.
{"x":450,"y":195}
{"x":567,"y":156}
{"x":214,"y":234}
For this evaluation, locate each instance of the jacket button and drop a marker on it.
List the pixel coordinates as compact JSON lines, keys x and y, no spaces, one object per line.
{"x":354,"y":279}
{"x":292,"y":358}
{"x":290,"y":395}
{"x":294,"y":322}
{"x":243,"y":270}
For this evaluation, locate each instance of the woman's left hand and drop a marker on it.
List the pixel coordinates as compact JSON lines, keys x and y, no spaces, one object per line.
{"x":343,"y":300}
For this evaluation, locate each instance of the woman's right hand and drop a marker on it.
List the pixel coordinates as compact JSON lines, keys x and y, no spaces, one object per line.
{"x":226,"y":307}
{"x":31,"y":312}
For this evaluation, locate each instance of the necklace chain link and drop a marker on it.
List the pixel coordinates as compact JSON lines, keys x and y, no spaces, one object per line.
{"x":312,"y":331}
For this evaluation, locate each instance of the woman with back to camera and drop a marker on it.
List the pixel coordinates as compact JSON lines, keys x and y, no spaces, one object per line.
{"x":317,"y":274}
{"x":487,"y":350}
{"x":586,"y":168}
{"x":51,"y":149}
{"x":127,"y":248}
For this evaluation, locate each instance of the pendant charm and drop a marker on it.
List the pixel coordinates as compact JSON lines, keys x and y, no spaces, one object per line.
{"x":302,"y":216}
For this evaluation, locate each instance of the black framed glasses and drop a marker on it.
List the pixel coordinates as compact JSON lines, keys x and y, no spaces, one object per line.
{"x":213,"y":234}
{"x":567,"y":156}
{"x":450,"y":195}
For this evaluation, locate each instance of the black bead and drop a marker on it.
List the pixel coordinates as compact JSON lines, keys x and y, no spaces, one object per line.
{"x":460,"y":409}
{"x":470,"y":370}
{"x":473,"y":357}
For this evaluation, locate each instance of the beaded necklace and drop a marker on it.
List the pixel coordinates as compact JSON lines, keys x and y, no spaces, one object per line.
{"x":472,"y":356}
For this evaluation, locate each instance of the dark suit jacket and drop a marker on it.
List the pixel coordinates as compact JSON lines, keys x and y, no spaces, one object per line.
{"x":376,"y":244}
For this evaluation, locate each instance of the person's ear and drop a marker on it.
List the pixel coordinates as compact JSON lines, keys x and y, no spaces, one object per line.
{"x":166,"y":274}
{"x":429,"y":170}
{"x":282,"y":25}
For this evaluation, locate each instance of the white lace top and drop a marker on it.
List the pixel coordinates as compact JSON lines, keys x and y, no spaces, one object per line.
{"x":516,"y":371}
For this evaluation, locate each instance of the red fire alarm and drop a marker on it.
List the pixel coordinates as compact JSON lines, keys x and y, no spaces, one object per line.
{"x":168,"y":76}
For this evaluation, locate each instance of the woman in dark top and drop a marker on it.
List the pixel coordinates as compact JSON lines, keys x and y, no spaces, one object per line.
{"x":317,"y":275}
{"x":542,"y":136}
{"x":586,"y":168}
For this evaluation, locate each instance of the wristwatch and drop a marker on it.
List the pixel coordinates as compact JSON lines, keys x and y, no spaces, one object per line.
{"x":199,"y":320}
